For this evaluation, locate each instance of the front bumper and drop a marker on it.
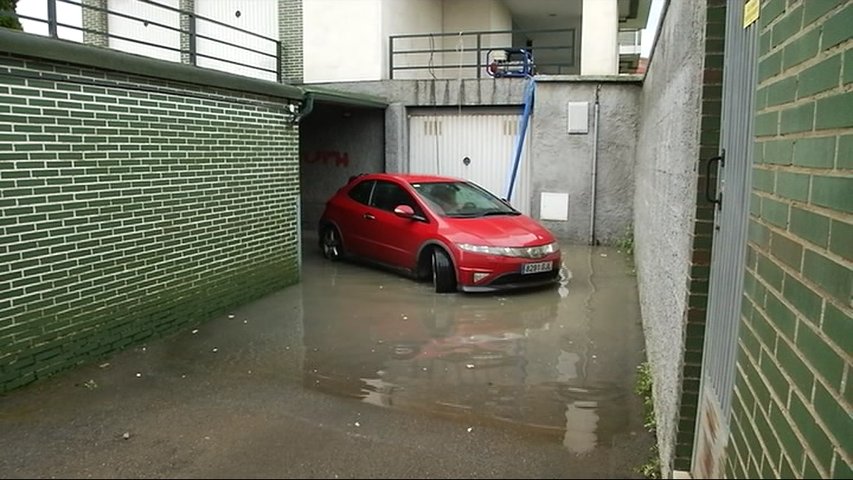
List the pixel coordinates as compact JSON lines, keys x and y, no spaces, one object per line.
{"x":503,"y":273}
{"x":524,"y":283}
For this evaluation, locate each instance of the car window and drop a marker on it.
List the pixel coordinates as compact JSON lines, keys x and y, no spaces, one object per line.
{"x":388,"y":196}
{"x":461,"y":199}
{"x":361,"y":192}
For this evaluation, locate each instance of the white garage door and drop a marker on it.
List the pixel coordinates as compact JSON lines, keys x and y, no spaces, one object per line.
{"x":147,"y":30}
{"x":258,"y":55}
{"x":440,"y":144}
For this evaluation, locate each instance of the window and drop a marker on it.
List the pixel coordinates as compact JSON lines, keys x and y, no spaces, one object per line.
{"x":388,"y":196}
{"x":361,"y":192}
{"x":462,"y":199}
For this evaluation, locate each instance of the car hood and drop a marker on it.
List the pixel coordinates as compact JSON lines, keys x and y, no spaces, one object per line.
{"x":497,"y":231}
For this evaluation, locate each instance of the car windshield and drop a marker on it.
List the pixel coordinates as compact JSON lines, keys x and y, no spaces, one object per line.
{"x":462,"y":199}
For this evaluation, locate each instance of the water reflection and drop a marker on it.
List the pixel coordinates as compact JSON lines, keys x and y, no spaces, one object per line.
{"x":530,"y":361}
{"x":581,"y":425}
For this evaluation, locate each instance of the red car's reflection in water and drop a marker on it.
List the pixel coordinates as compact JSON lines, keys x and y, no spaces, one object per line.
{"x":473,"y":359}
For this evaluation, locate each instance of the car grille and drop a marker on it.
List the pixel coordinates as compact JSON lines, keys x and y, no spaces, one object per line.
{"x":529,"y":278}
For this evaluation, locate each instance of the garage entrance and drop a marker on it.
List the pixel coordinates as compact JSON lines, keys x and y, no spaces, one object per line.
{"x":476,"y":146}
{"x":340,"y":135}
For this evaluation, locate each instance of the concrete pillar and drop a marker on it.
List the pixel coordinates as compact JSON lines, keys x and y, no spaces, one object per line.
{"x":396,"y":139}
{"x":599,"y":38}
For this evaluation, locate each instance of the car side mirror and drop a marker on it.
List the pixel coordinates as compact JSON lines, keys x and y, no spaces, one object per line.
{"x":404,"y":211}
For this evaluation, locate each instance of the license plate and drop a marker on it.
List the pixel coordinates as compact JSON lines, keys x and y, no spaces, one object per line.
{"x":537,"y":267}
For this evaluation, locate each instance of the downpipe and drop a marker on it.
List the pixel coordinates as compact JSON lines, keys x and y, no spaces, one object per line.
{"x":529,"y":93}
{"x":307,"y":108}
{"x":595,"y":119}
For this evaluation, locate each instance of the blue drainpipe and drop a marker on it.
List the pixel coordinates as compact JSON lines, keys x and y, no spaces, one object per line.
{"x":519,"y":143}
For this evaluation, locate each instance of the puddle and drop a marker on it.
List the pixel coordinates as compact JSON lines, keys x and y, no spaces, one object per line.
{"x":543,"y":376}
{"x":557,"y":362}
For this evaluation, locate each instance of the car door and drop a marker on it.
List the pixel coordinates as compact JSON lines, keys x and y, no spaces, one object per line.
{"x":351,"y":219}
{"x":395,"y":240}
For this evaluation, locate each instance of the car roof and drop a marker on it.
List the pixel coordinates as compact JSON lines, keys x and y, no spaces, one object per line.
{"x":410,"y":178}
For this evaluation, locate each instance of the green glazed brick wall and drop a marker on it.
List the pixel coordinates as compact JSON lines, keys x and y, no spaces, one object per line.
{"x":792,"y":408}
{"x":290,"y":33}
{"x":186,"y":26}
{"x":700,"y":268}
{"x":95,"y":21}
{"x":132,"y":208}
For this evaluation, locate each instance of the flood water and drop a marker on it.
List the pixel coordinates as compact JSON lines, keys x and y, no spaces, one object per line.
{"x":556,"y":361}
{"x":360,"y":372}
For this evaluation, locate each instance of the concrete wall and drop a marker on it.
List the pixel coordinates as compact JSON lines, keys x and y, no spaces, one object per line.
{"x":133,"y":206}
{"x":501,"y":19}
{"x":568,"y":62}
{"x":665,"y":206}
{"x":342,"y":40}
{"x":336,"y":143}
{"x":472,"y":16}
{"x":347,"y":40}
{"x":407,"y":18}
{"x":791,"y":410}
{"x":561,"y":163}
{"x":599,"y":38}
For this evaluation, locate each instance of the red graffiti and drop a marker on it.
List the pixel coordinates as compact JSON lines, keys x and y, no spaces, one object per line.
{"x":327,"y":157}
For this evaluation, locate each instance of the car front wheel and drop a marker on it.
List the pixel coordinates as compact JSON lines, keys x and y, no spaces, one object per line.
{"x":330,"y":243}
{"x":443,"y":275}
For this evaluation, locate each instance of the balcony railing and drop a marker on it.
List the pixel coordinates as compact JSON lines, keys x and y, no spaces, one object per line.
{"x":466,"y":54}
{"x":163,"y":32}
{"x":630,"y":41}
{"x":630,"y":50}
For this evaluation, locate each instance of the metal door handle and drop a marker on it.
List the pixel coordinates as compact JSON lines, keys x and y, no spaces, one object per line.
{"x":721,"y":159}
{"x":368,"y":216}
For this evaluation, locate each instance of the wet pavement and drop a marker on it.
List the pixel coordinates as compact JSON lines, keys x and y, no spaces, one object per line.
{"x":356,"y":373}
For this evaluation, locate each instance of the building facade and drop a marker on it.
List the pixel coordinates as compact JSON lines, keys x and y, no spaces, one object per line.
{"x":746,"y":303}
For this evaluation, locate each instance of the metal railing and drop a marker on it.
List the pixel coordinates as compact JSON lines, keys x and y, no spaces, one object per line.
{"x":630,"y":40}
{"x":187,"y":28}
{"x":428,"y":55}
{"x":630,"y":50}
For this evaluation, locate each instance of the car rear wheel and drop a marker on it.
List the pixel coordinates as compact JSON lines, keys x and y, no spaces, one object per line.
{"x":330,"y":244}
{"x":443,"y":275}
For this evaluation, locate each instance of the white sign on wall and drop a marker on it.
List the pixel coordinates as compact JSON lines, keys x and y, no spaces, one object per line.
{"x":554,"y":206}
{"x":578,"y":117}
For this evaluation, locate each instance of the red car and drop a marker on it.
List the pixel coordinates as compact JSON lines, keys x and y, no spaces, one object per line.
{"x":447,"y":229}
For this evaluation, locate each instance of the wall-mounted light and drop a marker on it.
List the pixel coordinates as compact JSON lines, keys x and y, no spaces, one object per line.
{"x":294,"y":113}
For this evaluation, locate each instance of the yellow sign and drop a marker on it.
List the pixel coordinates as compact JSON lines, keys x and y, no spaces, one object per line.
{"x":751,"y":10}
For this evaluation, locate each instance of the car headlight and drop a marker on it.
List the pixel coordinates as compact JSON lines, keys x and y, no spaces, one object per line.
{"x":522,"y":252}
